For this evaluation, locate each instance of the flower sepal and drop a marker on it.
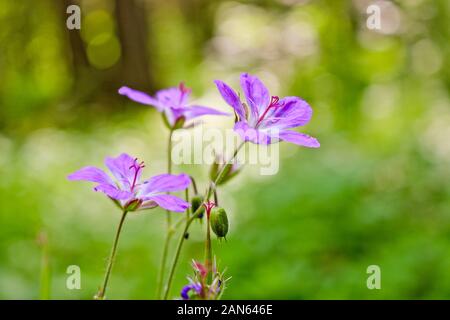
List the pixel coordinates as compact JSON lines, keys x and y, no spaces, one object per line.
{"x":132,"y":205}
{"x":166,"y":121}
{"x":179,"y":123}
{"x":117,"y":203}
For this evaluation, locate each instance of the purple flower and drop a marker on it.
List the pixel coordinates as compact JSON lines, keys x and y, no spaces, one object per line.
{"x":197,"y":287}
{"x":129,"y":191}
{"x":172,"y":102}
{"x":265,"y":119}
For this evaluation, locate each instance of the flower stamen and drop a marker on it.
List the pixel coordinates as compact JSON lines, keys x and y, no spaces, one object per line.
{"x":274,"y":103}
{"x":208,"y":206}
{"x":137,"y":167}
{"x":184,"y":90}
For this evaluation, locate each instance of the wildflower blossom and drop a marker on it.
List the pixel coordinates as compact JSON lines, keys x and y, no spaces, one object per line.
{"x":265,"y":119}
{"x":172,"y":103}
{"x":198,"y":288}
{"x":129,"y":191}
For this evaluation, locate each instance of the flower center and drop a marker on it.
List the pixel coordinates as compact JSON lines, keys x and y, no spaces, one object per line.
{"x":274,"y":103}
{"x":137,"y":167}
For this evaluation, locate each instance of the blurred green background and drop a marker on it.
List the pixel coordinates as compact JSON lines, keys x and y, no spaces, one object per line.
{"x":376,"y":192}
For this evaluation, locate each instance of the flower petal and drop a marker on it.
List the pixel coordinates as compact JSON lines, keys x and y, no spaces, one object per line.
{"x":91,"y":174}
{"x":120,"y":167}
{"x":299,"y":138}
{"x":172,"y":97}
{"x":185,"y":291}
{"x":256,"y":93}
{"x":294,"y":112}
{"x":140,"y":97}
{"x":231,"y":97}
{"x":197,"y":111}
{"x":114,"y":192}
{"x":172,"y":114}
{"x":248,"y":133}
{"x":166,"y":201}
{"x":165,"y":183}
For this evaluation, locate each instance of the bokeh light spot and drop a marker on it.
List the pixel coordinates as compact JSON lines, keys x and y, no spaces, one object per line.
{"x":104,"y":51}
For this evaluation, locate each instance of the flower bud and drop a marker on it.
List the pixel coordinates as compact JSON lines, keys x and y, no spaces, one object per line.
{"x":219,"y":221}
{"x":196,"y":202}
{"x":229,"y":170}
{"x":213,"y":171}
{"x":225,"y":173}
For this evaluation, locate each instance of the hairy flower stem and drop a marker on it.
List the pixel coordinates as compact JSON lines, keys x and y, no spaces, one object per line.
{"x":170,"y":230}
{"x":101,"y":293}
{"x":211,"y":187}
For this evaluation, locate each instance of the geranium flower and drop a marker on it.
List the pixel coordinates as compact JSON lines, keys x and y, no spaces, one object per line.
{"x":195,"y":286}
{"x":198,"y":288}
{"x":129,"y":191}
{"x":265,"y":119}
{"x":172,"y":103}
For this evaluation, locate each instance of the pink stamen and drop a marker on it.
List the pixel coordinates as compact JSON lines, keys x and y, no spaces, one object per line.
{"x":184,"y":90}
{"x":208,"y":206}
{"x":200,"y":268}
{"x":274,"y":103}
{"x":137,"y":168}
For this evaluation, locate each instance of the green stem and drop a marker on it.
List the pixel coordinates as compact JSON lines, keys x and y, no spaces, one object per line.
{"x":169,"y":232}
{"x":102,"y":291}
{"x":189,"y":221}
{"x":216,"y":198}
{"x":208,"y":250}
{"x":169,"y":153}
{"x":194,"y":184}
{"x":188,"y":211}
{"x":176,"y":257}
{"x":45,"y":268}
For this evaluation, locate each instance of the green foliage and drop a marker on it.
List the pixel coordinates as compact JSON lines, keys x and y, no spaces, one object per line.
{"x":376,"y":192}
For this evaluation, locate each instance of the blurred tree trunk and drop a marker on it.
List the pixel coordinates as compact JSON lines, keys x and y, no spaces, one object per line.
{"x":79,"y":60}
{"x":92,"y":84}
{"x":200,"y":16}
{"x":133,"y":33}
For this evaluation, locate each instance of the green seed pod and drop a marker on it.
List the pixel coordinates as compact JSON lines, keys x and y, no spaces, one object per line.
{"x":197,"y":202}
{"x":219,"y":221}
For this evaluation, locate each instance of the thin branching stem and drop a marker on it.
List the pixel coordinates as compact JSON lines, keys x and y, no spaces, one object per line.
{"x":170,"y":230}
{"x":211,"y":187}
{"x":101,"y":293}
